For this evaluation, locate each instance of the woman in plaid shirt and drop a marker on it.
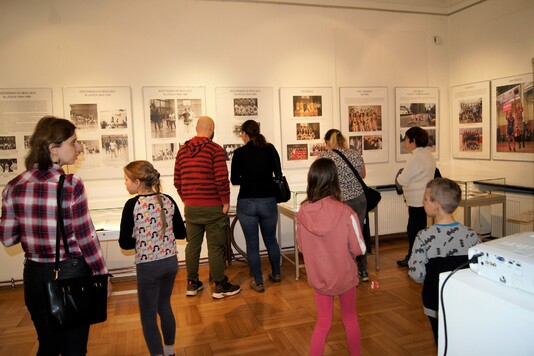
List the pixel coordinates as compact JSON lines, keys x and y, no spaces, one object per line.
{"x":29,"y":208}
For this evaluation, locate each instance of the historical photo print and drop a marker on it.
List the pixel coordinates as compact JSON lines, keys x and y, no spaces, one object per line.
{"x":356,"y":143}
{"x":317,"y":148}
{"x":162,"y":118}
{"x":471,"y":139}
{"x":297,"y":152}
{"x":245,"y":106}
{"x":308,"y":131}
{"x":305,"y":106}
{"x":229,"y":150}
{"x":417,"y":114}
{"x":84,"y":116}
{"x":365,"y":118}
{"x":163,"y":152}
{"x":470,"y":108}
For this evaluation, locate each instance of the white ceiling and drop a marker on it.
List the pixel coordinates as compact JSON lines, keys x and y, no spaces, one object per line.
{"x":437,"y":7}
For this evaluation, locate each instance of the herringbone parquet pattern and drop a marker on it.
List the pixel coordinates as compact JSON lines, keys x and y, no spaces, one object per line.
{"x":277,"y":322}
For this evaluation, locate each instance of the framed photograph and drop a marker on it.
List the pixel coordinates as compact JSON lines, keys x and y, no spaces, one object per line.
{"x":513,"y":118}
{"x":470,"y":108}
{"x":171,"y":114}
{"x":103,"y":119}
{"x":416,"y":107}
{"x":20,"y":109}
{"x":364,"y":113}
{"x":306,"y":115}
{"x":234,"y":106}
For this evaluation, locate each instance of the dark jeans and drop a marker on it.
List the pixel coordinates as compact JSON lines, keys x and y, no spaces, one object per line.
{"x":155,"y":281}
{"x":53,"y":340}
{"x":416,"y":223}
{"x":260,"y":212}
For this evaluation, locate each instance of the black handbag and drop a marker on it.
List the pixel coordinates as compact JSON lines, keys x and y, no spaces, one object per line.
{"x":281,"y":187}
{"x":75,"y":302}
{"x":373,"y":196}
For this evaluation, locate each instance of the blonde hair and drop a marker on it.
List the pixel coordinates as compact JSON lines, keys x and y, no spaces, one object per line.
{"x":149,"y":178}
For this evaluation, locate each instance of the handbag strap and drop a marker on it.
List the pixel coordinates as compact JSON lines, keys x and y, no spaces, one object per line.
{"x":60,"y":230}
{"x":277,"y":165}
{"x":351,"y":166}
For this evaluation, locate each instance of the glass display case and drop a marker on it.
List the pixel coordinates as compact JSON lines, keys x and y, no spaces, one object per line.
{"x":481,"y":188}
{"x":481,"y":192}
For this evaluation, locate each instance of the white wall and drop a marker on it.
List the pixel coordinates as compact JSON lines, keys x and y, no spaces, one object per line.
{"x":137,"y":43}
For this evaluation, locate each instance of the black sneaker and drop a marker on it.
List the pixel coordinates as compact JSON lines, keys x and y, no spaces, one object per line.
{"x":403,"y":263}
{"x":275,"y":278}
{"x":193,"y":287}
{"x":224,"y":289}
{"x":364,"y":276}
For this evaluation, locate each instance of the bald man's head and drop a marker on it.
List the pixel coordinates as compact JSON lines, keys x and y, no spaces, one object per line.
{"x":205,"y":127}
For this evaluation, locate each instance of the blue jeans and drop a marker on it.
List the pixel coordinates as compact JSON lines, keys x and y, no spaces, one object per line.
{"x":262,"y":212}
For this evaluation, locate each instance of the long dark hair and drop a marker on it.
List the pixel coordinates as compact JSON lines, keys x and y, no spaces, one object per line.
{"x":323,"y":181}
{"x":252,"y":129}
{"x":49,"y":130}
{"x":149,"y":177}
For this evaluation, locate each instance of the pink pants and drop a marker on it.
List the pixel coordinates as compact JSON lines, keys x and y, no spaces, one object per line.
{"x":325,"y":308}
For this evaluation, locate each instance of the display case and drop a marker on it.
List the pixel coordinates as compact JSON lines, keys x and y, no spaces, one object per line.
{"x":482,"y":192}
{"x":481,"y":188}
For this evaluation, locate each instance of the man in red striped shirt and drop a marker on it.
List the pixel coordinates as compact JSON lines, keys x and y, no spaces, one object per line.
{"x":201,"y":179}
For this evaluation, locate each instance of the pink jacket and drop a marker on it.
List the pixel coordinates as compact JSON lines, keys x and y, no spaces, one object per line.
{"x":329,"y":236}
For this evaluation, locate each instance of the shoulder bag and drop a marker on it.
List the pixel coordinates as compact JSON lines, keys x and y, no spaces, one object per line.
{"x":76,"y":301}
{"x":373,"y":196}
{"x":281,"y":187}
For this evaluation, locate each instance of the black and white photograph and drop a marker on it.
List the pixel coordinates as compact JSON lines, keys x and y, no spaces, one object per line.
{"x":113,"y":119}
{"x":115,"y":149}
{"x":8,"y":143}
{"x":84,"y":116}
{"x":162,"y":118}
{"x":104,"y":128}
{"x":164,"y":152}
{"x":229,"y":150}
{"x":170,"y":116}
{"x":8,"y":166}
{"x":245,"y":106}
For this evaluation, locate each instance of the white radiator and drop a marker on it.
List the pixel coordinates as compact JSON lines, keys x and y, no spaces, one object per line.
{"x":392,"y":214}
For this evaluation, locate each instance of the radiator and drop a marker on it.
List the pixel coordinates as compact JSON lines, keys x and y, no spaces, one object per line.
{"x":392,"y":214}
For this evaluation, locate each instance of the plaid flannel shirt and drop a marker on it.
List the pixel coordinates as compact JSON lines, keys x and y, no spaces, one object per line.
{"x":29,"y":208}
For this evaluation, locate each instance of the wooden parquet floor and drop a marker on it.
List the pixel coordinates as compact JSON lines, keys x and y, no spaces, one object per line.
{"x":277,"y":322}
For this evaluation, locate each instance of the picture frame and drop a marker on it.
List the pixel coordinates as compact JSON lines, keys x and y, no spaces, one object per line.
{"x":513,"y":118}
{"x":471,"y":116}
{"x":104,"y":127}
{"x":20,"y":110}
{"x":235,"y":105}
{"x":416,"y":107}
{"x":364,"y":121}
{"x":171,"y":114}
{"x":305,"y":116}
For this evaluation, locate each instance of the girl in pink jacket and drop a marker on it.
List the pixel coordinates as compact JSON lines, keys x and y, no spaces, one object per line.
{"x":329,"y":236}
